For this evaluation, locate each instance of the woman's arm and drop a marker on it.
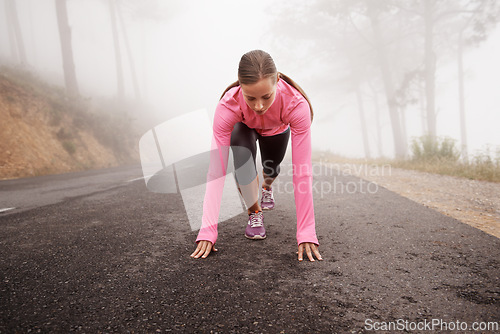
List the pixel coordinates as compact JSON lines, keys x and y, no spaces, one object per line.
{"x":224,"y":121}
{"x":300,"y":124}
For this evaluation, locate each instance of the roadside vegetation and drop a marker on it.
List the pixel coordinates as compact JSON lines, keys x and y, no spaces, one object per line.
{"x":437,"y":156}
{"x":107,"y":120}
{"x":441,"y":156}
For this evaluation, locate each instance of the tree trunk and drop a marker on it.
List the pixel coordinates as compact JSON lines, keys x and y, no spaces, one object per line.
{"x":378,"y":127}
{"x":144,"y":52}
{"x":118,"y":56}
{"x":66,"y":48}
{"x":399,"y":142}
{"x":362,"y":118}
{"x":135,"y":82}
{"x":423,"y":118}
{"x":430,"y":69}
{"x":33,"y":53}
{"x":404,"y":135}
{"x":15,"y":34}
{"x":12,"y":37}
{"x":461,"y":97}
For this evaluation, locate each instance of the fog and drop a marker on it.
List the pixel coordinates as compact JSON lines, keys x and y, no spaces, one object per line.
{"x":186,"y":52}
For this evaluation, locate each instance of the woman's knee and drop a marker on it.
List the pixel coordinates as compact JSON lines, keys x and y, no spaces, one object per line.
{"x":242,"y":136}
{"x":243,"y":144}
{"x":271,"y":168}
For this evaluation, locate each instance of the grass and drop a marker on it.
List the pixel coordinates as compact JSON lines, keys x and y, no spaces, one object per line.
{"x":69,"y":146}
{"x":476,"y":169}
{"x":107,"y":121}
{"x":438,"y":156}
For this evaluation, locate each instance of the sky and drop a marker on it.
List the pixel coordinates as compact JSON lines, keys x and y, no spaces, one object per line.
{"x":186,"y":53}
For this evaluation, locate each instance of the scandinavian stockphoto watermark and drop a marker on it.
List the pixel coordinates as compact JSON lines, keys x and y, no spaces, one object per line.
{"x":431,"y":325}
{"x":175,"y":158}
{"x":180,"y":156}
{"x":333,"y":178}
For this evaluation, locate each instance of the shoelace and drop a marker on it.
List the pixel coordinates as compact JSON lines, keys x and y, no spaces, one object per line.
{"x":256,"y":219}
{"x":266,"y":195}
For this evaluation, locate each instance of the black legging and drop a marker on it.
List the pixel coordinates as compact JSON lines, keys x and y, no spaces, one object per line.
{"x":244,"y":143}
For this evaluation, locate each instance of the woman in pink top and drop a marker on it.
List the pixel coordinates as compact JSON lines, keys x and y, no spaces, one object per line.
{"x":266,"y":106}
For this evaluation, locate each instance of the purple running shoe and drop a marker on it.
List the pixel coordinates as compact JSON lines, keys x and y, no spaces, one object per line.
{"x":255,"y":227}
{"x":267,"y":201}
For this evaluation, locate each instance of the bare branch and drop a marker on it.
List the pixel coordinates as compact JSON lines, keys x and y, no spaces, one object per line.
{"x":367,"y":40}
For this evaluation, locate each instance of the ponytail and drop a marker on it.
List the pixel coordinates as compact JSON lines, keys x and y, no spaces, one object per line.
{"x":234,"y":84}
{"x":292,"y":83}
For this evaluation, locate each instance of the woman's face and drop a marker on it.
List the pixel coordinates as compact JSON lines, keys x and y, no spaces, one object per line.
{"x":260,"y":95}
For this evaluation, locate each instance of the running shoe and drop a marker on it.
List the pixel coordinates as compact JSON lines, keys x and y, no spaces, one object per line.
{"x":267,"y":201}
{"x":255,"y":227}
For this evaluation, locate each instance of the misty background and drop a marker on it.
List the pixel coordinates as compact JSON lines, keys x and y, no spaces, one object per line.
{"x":378,"y":73}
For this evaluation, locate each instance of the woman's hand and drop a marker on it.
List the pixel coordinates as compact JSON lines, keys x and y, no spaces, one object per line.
{"x":310,"y":248}
{"x":204,"y":248}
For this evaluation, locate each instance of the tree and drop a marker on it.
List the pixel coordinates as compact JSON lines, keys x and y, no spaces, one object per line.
{"x":135,"y":82}
{"x":400,"y":144}
{"x":118,"y":55}
{"x":66,"y":48}
{"x":430,"y":67}
{"x":473,"y":31}
{"x":442,"y":19}
{"x":144,"y":10}
{"x":350,"y":33}
{"x":404,"y":39}
{"x":15,"y":34}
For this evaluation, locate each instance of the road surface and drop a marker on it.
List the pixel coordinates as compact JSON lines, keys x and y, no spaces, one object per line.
{"x":97,"y":252}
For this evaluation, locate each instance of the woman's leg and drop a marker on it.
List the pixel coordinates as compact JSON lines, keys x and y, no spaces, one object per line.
{"x":272,"y":151}
{"x":244,"y":148}
{"x":266,"y":184}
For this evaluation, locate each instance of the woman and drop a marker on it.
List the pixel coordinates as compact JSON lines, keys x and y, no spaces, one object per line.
{"x":262,"y":105}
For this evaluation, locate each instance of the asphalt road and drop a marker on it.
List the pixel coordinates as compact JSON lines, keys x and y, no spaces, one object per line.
{"x":97,"y":252}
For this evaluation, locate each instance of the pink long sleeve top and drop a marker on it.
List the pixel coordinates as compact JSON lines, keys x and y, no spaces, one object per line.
{"x":289,"y":109}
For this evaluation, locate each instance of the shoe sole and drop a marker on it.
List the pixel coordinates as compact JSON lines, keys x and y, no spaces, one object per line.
{"x":267,"y":209}
{"x":257,"y":237}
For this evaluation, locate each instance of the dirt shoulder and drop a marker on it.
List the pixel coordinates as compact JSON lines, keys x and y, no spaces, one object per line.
{"x":473,"y":202}
{"x":43,"y":131}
